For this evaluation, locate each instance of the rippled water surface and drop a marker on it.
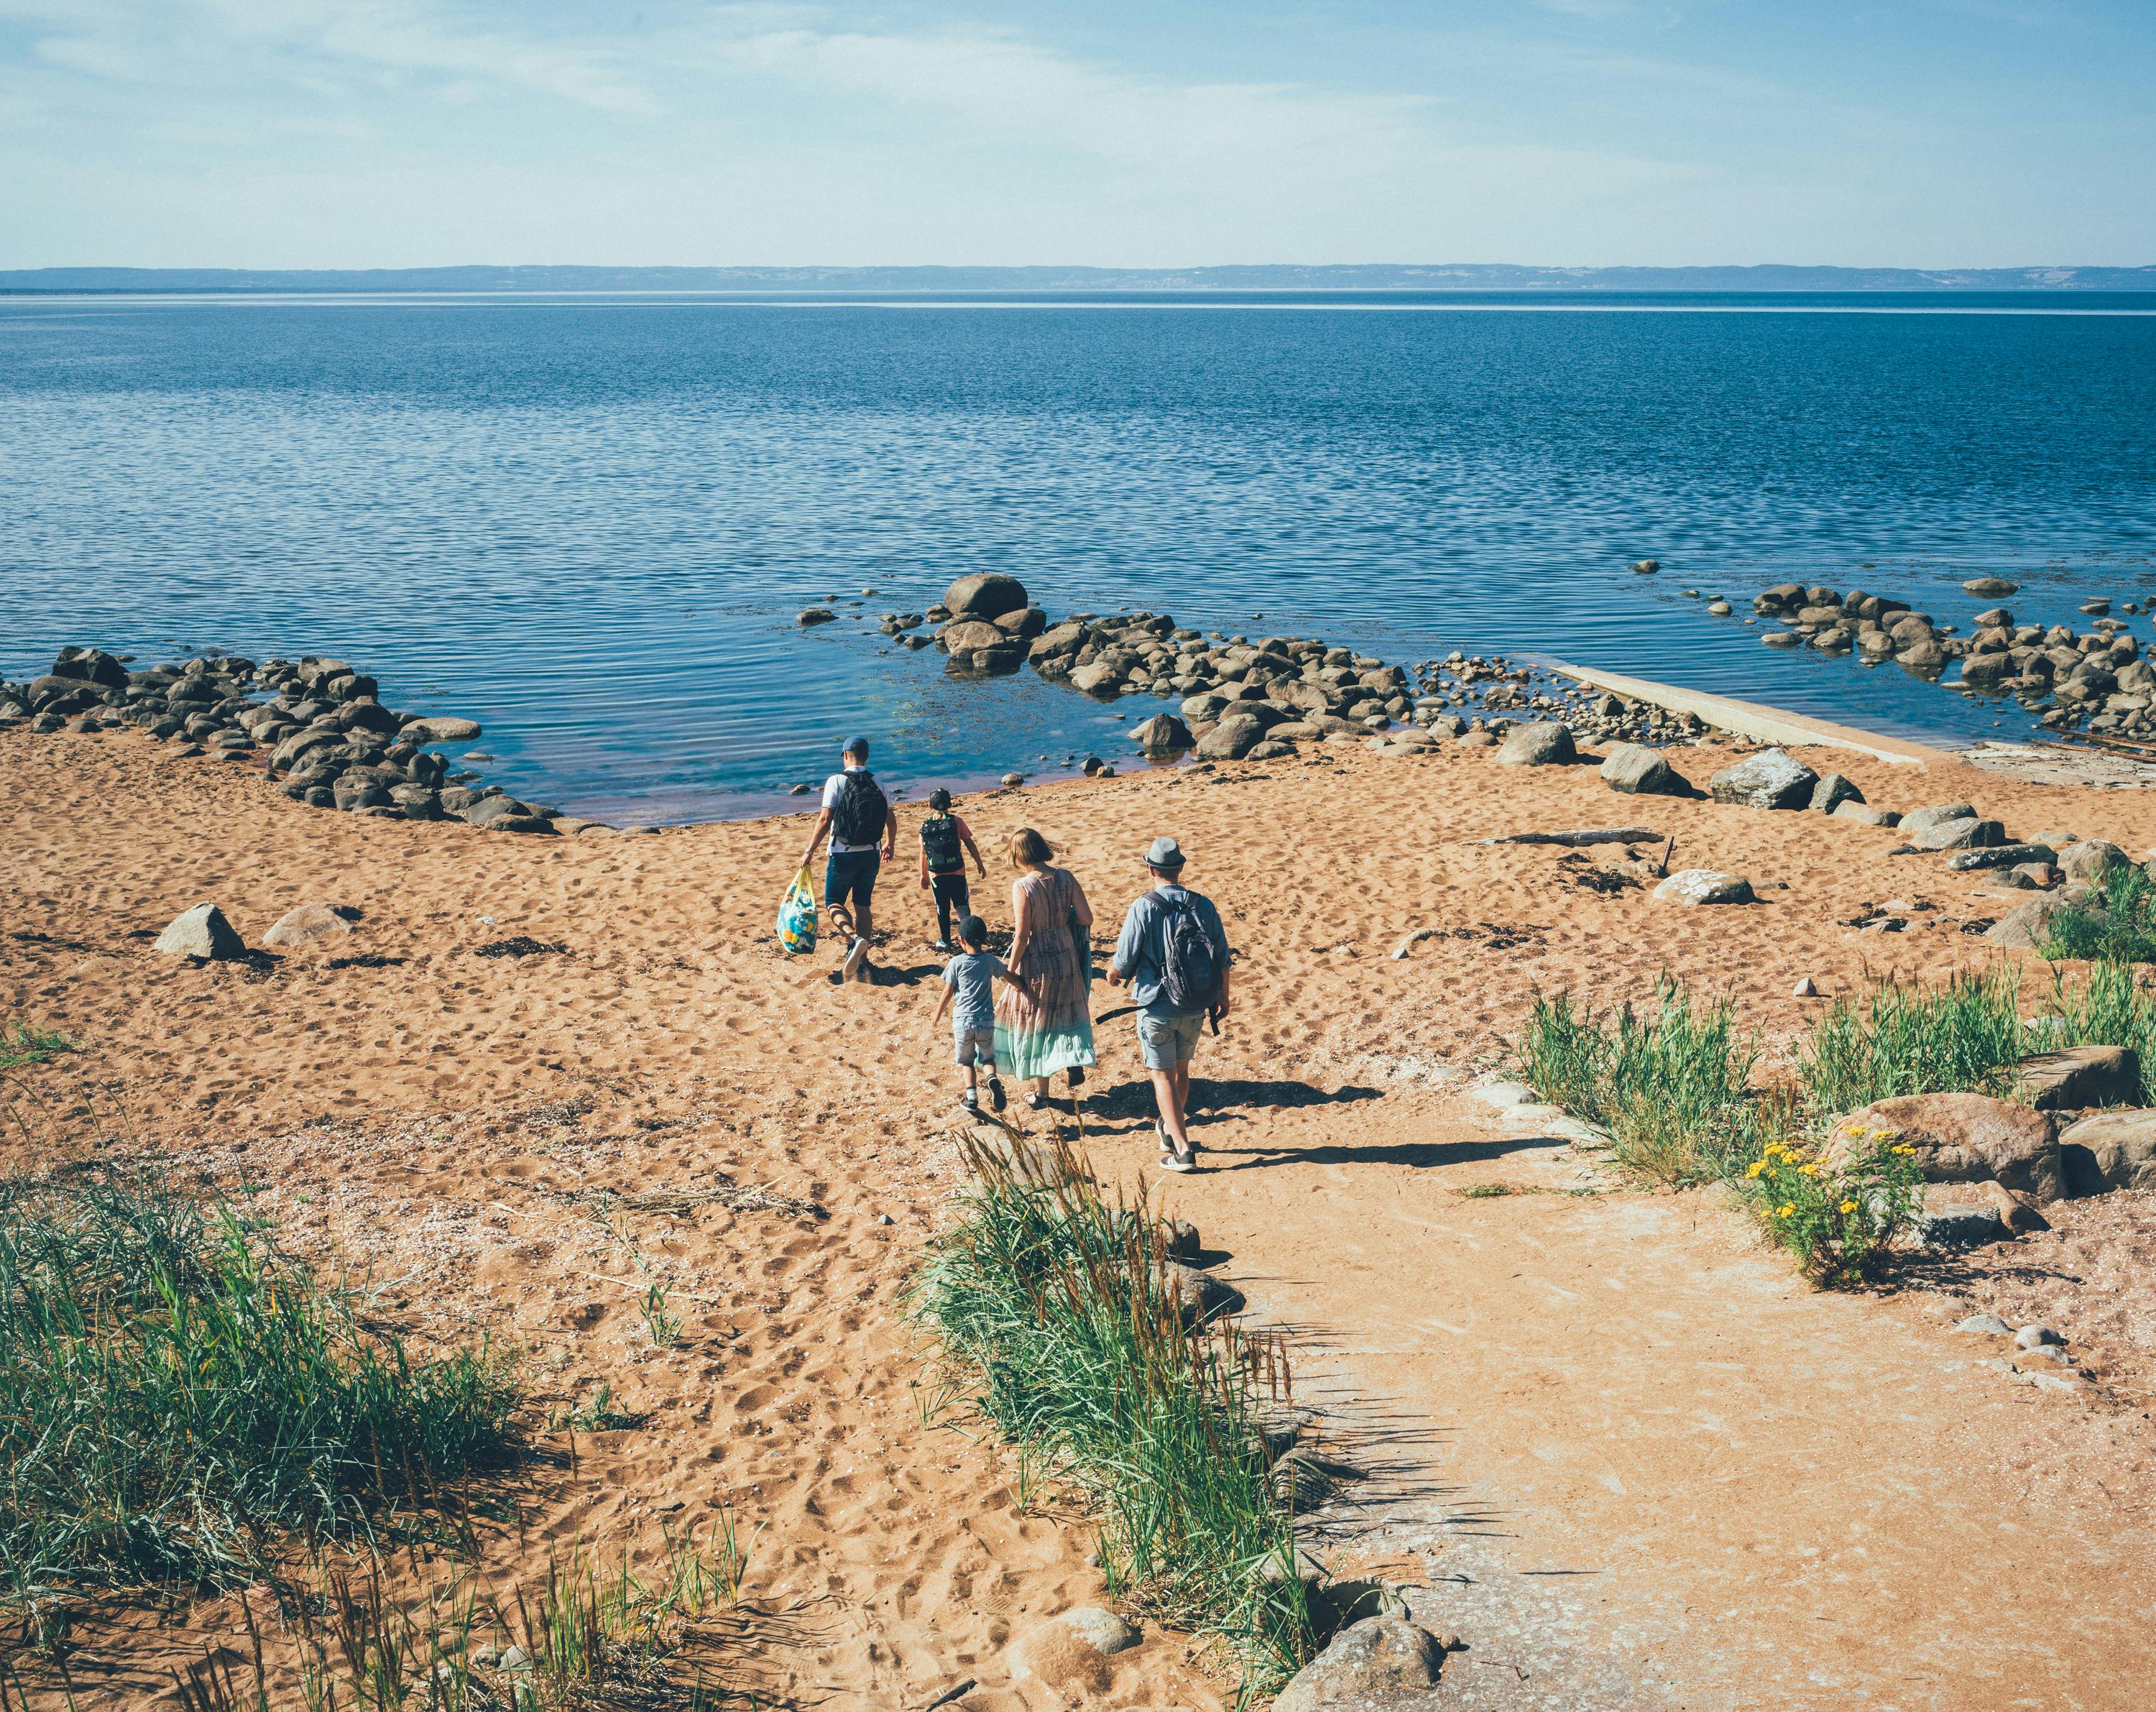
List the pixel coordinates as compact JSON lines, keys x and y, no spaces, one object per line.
{"x":589,"y":523}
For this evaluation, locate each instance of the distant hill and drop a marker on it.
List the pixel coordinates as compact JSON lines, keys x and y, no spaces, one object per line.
{"x":1452,"y":277}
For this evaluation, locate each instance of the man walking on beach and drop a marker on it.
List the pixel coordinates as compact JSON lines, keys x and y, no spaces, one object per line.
{"x":863,"y":832}
{"x":1173,"y":952}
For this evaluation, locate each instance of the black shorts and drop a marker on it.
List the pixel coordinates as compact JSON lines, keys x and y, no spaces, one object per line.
{"x":851,"y":876}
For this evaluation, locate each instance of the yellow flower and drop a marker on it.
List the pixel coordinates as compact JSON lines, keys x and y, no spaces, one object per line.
{"x":1755,"y":1168}
{"x":1809,"y":1170}
{"x":1787,"y":1208}
{"x":1848,"y":1207}
{"x":1906,"y":1152}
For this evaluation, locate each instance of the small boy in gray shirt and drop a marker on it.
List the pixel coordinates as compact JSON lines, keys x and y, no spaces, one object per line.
{"x":969,"y":981}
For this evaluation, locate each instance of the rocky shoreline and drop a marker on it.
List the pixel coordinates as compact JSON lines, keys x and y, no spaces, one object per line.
{"x":323,"y":731}
{"x":1240,"y":698}
{"x":2095,"y":681}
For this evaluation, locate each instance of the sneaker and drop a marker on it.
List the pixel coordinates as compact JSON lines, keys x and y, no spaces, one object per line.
{"x":857,"y":959}
{"x":944,"y":946}
{"x":971,"y":1100}
{"x":996,"y":1092}
{"x":1177,"y":1163}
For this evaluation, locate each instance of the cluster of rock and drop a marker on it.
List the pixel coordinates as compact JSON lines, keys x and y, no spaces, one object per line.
{"x":1991,"y":1166}
{"x":323,"y":731}
{"x":1247,"y":699}
{"x":2096,"y":677}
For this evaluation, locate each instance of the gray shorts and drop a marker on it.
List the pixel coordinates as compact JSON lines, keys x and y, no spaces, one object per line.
{"x":1166,"y":1041}
{"x":975,"y":1046}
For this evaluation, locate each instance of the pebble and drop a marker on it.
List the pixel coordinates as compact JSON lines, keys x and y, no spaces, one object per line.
{"x":1805,"y":988}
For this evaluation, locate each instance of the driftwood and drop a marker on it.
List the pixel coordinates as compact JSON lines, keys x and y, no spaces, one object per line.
{"x":1413,"y":939}
{"x":1598,"y":835}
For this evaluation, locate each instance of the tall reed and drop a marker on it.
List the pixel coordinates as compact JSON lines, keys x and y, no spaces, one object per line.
{"x":1056,"y":1309}
{"x":1668,"y":1085}
{"x":175,"y":1393}
{"x":1964,"y":1037}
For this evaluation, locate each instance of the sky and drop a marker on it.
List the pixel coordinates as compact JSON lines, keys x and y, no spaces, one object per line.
{"x":396,"y":133}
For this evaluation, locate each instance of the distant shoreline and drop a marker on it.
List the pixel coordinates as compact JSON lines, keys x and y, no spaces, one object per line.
{"x":1467,"y":277}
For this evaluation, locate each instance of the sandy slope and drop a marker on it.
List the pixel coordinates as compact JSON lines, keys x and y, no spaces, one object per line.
{"x":1773,"y":1497}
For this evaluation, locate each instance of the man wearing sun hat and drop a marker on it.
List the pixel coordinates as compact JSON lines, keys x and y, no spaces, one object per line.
{"x":1174,"y":954}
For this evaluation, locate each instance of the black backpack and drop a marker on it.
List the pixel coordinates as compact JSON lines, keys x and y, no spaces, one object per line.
{"x":858,"y":817}
{"x":1190,"y":968}
{"x":939,"y":842}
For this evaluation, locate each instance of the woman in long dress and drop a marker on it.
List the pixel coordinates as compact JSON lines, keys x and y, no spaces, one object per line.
{"x":1049,"y":1026}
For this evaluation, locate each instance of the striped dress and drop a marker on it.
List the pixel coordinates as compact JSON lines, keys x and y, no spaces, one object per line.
{"x":1053,"y":1031}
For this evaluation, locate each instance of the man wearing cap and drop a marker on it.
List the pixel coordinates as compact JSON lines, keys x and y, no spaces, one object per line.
{"x":864,"y":832}
{"x":1174,"y":954}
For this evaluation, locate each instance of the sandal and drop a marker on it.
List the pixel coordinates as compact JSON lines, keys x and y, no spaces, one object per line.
{"x":1036,"y":1103}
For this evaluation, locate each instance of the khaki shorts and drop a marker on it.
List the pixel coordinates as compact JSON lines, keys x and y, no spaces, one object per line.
{"x":1166,"y":1042}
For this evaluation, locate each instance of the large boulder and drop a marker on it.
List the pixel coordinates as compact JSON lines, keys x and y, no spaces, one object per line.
{"x":1547,"y":742}
{"x":92,"y":666}
{"x":1770,"y":779}
{"x":1098,"y":679}
{"x":1999,"y":856}
{"x":304,"y":925}
{"x":1962,"y":1139}
{"x":1831,"y":792}
{"x":1956,"y":835}
{"x":2109,"y":1150}
{"x":1923,"y":820}
{"x":968,"y":634}
{"x":985,"y":594}
{"x":2093,"y":860}
{"x":202,"y":932}
{"x":1637,"y":770}
{"x":1201,"y":1297}
{"x":1378,"y":1655}
{"x":1065,"y":638}
{"x":2026,"y":927}
{"x":1704,"y":886}
{"x":2078,"y":1077}
{"x":1022,"y":623}
{"x":1231,"y":739}
{"x":1164,"y":734}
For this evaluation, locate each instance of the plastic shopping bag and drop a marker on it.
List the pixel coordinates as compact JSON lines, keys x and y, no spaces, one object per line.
{"x":796,"y":916}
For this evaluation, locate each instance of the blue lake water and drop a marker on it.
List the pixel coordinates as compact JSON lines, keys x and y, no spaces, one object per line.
{"x":589,"y":521}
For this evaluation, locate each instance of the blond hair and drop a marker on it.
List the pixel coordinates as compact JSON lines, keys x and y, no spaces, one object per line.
{"x":1028,"y":849}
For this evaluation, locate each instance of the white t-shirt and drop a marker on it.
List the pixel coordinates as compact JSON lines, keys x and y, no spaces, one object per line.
{"x":832,"y":786}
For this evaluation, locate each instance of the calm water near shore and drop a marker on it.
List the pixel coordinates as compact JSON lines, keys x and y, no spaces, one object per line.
{"x":590,"y":521}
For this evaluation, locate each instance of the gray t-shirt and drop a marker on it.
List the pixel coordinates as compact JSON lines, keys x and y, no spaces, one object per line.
{"x":972,"y":976}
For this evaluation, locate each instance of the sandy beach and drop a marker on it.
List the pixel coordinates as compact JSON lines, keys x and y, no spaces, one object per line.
{"x":1616,"y":1443}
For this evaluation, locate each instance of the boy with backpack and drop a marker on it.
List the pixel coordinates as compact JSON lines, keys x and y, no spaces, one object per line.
{"x":969,"y":981}
{"x":864,"y":832}
{"x":1174,"y":954}
{"x":944,"y":839}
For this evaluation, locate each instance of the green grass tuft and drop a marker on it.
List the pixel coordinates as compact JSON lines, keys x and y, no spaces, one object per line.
{"x":2120,"y":929}
{"x":1962,"y":1038}
{"x":22,"y":1043}
{"x":1055,"y":1311}
{"x":175,"y":1395}
{"x":1668,"y":1087}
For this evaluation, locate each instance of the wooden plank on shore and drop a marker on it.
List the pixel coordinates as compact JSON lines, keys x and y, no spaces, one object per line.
{"x":1592,"y":834}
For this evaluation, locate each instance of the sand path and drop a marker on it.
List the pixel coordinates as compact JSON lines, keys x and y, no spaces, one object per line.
{"x":1643,"y":1466}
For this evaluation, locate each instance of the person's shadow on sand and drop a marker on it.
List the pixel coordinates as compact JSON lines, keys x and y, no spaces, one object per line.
{"x":1130,"y":1105}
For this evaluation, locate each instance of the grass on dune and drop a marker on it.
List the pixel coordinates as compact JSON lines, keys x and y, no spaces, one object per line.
{"x":1054,"y":1312}
{"x":176,"y":1395}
